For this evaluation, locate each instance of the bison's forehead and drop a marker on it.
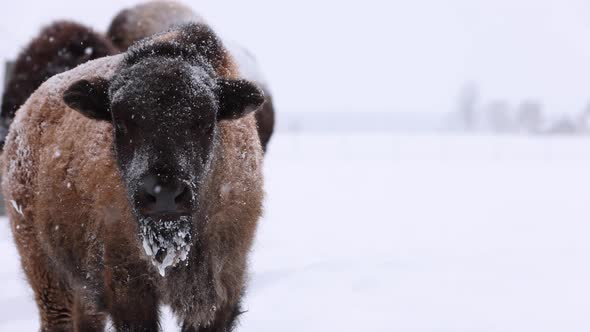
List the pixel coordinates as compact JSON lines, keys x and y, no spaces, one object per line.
{"x":165,"y":88}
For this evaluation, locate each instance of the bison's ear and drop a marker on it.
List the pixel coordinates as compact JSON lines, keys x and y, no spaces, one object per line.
{"x":237,"y":98}
{"x":90,"y":97}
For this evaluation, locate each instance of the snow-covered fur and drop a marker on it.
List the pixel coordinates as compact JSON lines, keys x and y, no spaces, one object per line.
{"x":141,"y":21}
{"x":77,"y":160}
{"x":59,"y":47}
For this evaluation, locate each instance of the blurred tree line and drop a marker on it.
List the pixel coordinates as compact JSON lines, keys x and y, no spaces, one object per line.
{"x":528,"y":117}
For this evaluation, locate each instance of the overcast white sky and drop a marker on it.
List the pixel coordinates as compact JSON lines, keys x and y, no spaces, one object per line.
{"x":381,"y":55}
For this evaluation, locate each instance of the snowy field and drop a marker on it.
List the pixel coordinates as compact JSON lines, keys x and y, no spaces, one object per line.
{"x":407,"y":233}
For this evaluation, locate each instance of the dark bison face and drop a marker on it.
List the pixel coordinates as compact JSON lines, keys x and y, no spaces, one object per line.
{"x":164,"y":113}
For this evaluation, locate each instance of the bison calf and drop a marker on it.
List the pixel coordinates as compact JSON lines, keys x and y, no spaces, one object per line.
{"x":135,"y":181}
{"x":59,"y":47}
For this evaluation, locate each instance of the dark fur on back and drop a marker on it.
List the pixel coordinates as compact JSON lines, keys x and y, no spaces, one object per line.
{"x":116,"y":33}
{"x":59,"y":47}
{"x":146,"y":19}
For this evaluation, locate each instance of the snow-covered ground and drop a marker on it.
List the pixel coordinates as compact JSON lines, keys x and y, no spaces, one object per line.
{"x":407,"y":233}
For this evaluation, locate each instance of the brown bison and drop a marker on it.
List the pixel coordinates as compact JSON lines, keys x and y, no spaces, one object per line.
{"x":135,"y":181}
{"x":144,"y":20}
{"x":135,"y":23}
{"x":59,"y":47}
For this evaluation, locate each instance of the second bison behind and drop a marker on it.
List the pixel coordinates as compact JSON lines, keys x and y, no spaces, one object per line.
{"x":135,"y":180}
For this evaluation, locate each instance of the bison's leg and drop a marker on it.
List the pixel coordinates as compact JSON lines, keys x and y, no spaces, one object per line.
{"x":90,"y":323}
{"x":52,"y":294}
{"x":224,"y":322}
{"x":131,"y":300}
{"x":87,"y":317}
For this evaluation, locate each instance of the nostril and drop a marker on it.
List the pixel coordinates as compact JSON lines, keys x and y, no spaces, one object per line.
{"x":183,"y":195}
{"x":147,"y":197}
{"x":150,"y":198}
{"x":160,"y":195}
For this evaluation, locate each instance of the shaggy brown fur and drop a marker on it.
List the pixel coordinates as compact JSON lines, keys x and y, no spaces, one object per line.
{"x":144,"y":20}
{"x":147,"y":19}
{"x":59,"y":47}
{"x":77,"y":235}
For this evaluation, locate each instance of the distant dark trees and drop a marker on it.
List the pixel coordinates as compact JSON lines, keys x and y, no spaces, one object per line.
{"x":468,"y":105}
{"x":527,"y":117}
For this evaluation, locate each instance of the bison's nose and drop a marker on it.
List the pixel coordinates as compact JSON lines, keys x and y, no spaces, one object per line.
{"x":158,"y":196}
